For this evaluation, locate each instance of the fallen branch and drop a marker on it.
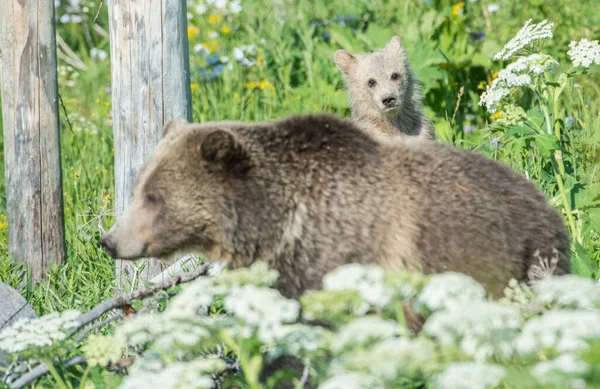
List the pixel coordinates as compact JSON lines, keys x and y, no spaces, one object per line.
{"x":125,"y":300}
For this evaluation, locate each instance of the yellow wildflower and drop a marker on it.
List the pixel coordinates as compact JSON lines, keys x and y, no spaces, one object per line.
{"x":226,"y":30}
{"x":192,"y":31}
{"x":3,"y":223}
{"x":494,"y":75}
{"x":266,"y":84}
{"x":107,"y":103}
{"x":212,"y":45}
{"x":107,"y":197}
{"x":457,"y":8}
{"x":214,"y":19}
{"x":495,"y":115}
{"x":194,"y":86}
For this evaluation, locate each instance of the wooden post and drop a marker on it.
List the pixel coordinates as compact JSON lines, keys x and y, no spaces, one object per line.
{"x":150,"y":86}
{"x":31,"y":133}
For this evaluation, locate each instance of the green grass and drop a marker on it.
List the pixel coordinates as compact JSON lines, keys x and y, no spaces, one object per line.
{"x":295,"y":66}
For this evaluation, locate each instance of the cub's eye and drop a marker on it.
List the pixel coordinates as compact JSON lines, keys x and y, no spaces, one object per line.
{"x":151,"y":199}
{"x":372,"y":83}
{"x":395,"y":76}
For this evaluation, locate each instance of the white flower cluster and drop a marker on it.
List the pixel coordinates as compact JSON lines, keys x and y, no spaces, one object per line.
{"x":469,"y":375}
{"x":38,"y":332}
{"x":569,"y":291}
{"x":367,"y":280}
{"x":352,"y":380}
{"x":481,"y":329}
{"x":189,"y":375}
{"x":263,"y":309}
{"x":528,"y":34}
{"x":566,"y":364}
{"x":519,"y":73}
{"x":102,"y":350}
{"x":242,"y":53}
{"x":563,"y":331}
{"x":393,"y":358}
{"x":584,"y":52}
{"x":448,"y":290}
{"x":222,"y":6}
{"x":365,"y":330}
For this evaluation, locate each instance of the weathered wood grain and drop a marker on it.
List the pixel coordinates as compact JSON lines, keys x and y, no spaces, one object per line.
{"x":150,"y":86}
{"x":31,"y":133}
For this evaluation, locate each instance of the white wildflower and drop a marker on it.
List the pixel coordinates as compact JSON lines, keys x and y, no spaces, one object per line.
{"x":220,"y":4}
{"x":516,"y":74}
{"x":448,"y":290}
{"x":238,"y":54}
{"x":364,"y":330}
{"x":202,"y":50}
{"x":201,"y":9}
{"x":367,"y":280}
{"x":213,"y":35}
{"x":481,"y":329}
{"x":235,"y":6}
{"x":40,"y":332}
{"x":352,"y":380}
{"x":563,"y":331}
{"x":262,"y":308}
{"x":101,"y":350}
{"x":393,"y":357}
{"x":299,"y":339}
{"x":584,"y":53}
{"x":491,"y":97}
{"x":528,"y":34}
{"x":493,"y":8}
{"x":563,"y":365}
{"x":469,"y":375}
{"x":189,"y":375}
{"x":568,"y":290}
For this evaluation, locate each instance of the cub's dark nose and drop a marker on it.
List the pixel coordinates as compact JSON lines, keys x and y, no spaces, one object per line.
{"x":389,"y":101}
{"x":108,"y":246}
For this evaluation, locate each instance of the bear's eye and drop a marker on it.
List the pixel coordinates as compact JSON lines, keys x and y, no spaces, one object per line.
{"x":151,"y":199}
{"x":395,"y":76}
{"x":372,"y":83}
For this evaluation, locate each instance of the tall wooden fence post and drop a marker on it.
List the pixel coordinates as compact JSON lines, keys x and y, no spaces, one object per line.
{"x":31,"y":133}
{"x":150,"y":86}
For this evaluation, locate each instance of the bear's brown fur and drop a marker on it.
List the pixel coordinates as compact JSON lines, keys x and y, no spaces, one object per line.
{"x":309,"y":193}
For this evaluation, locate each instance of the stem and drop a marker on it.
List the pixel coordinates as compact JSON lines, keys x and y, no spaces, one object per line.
{"x":559,"y":170}
{"x":59,"y":381}
{"x":84,"y":376}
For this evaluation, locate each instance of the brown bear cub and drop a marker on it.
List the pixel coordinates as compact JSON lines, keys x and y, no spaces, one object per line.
{"x":309,"y":193}
{"x":385,"y":96}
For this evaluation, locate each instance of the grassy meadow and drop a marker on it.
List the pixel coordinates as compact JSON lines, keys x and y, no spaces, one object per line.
{"x":263,"y":59}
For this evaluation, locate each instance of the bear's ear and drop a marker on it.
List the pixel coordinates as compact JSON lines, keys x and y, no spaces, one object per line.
{"x":344,"y":60}
{"x":394,"y":44}
{"x":173,"y":125}
{"x":221,"y":148}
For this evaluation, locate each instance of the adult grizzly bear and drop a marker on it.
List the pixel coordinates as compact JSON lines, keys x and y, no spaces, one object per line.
{"x":309,"y":193}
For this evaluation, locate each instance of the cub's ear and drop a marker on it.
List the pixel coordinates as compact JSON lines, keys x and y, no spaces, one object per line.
{"x":221,"y":148}
{"x":173,"y":125}
{"x":394,"y":44}
{"x":344,"y":60}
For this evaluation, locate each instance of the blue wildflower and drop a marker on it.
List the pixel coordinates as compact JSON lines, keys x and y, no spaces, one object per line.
{"x":477,"y":36}
{"x":569,"y":121}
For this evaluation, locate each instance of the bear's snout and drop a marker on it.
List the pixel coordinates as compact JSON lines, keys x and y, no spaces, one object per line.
{"x":108,"y":245}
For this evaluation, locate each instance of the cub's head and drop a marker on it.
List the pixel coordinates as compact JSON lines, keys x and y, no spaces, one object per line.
{"x":378,"y":83}
{"x":181,"y":199}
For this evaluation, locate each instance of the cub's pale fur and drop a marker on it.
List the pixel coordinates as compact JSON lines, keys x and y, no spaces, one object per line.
{"x":384,"y":94}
